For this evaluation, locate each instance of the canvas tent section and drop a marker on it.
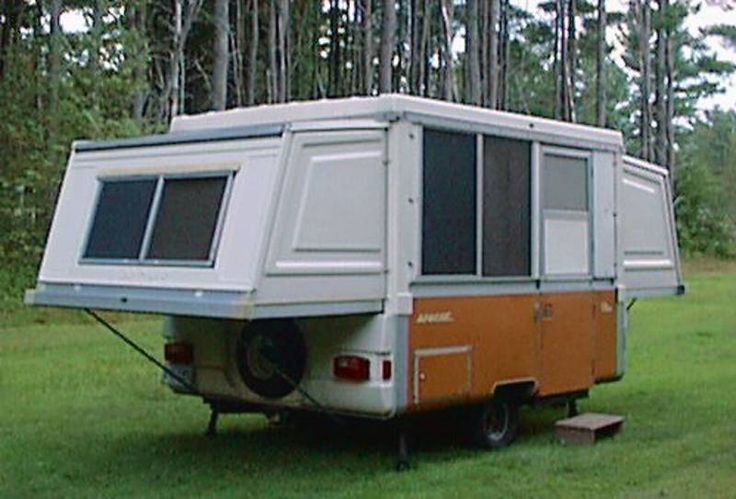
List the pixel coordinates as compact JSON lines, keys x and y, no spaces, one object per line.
{"x":651,"y":261}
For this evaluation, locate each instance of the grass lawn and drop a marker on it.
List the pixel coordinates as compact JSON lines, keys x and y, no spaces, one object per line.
{"x":82,"y":415}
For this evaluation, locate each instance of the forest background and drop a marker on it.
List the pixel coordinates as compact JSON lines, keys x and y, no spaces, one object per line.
{"x":130,"y":65}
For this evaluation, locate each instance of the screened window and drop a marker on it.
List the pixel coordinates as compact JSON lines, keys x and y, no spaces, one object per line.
{"x":187,"y":219}
{"x":449,"y":203}
{"x":506,"y":207}
{"x":157,"y":220}
{"x":120,"y":221}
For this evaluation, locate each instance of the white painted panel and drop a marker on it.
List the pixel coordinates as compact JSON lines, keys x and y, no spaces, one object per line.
{"x":566,"y":249}
{"x":253,"y":162}
{"x":604,"y":250}
{"x":328,"y":242}
{"x":650,"y":256}
{"x":331,"y":217}
{"x":341,"y":207}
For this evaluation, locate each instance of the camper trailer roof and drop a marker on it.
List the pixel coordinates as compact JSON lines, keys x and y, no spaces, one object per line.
{"x":389,"y":107}
{"x":273,"y":119}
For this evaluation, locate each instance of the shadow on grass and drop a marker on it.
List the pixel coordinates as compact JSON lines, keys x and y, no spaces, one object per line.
{"x":298,"y":449}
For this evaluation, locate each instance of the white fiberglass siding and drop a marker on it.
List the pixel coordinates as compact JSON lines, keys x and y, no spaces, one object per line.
{"x":651,"y":262}
{"x":251,"y":164}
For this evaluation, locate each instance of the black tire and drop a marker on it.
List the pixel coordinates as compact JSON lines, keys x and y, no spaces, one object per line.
{"x":496,"y":424}
{"x":271,"y":357}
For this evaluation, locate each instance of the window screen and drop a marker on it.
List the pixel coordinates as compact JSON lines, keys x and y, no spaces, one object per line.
{"x":448,"y":203}
{"x":187,"y":218}
{"x":565,"y":183}
{"x":506,"y":207}
{"x":120,"y":220}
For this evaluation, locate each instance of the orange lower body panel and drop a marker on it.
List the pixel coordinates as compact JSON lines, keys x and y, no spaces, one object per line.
{"x":463,"y":348}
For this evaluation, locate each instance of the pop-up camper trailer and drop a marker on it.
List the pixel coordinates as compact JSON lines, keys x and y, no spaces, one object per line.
{"x":372,"y":257}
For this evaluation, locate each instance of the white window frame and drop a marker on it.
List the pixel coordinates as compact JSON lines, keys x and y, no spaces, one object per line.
{"x":161,"y":178}
{"x":556,"y":214}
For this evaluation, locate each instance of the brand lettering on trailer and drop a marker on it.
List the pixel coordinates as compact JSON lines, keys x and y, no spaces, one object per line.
{"x":435,"y":318}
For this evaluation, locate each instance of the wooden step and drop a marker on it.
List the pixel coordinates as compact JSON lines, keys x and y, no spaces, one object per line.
{"x":587,"y":428}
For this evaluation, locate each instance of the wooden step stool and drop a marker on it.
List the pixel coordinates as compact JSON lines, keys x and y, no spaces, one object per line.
{"x":587,"y":428}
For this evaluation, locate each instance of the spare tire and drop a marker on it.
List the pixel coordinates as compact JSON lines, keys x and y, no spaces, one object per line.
{"x":271,"y":357}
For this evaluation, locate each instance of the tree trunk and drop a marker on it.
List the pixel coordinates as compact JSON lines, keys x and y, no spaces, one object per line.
{"x":273,"y":63}
{"x":473,"y":55}
{"x":399,"y":39}
{"x":96,"y":32}
{"x":600,"y":81}
{"x":564,"y":64}
{"x":238,"y":46}
{"x":424,"y":50}
{"x":174,"y":95}
{"x":334,"y":61}
{"x":572,"y":50}
{"x":660,"y":88}
{"x":138,"y":21}
{"x":449,"y":86}
{"x":493,"y":33}
{"x":670,"y":114}
{"x":556,"y":62}
{"x":253,"y":53}
{"x":367,"y":47}
{"x":505,"y":48}
{"x":388,"y":32}
{"x":283,"y":48}
{"x":12,"y":12}
{"x":646,"y":109}
{"x":55,"y":49}
{"x":221,"y":53}
{"x":175,"y":62}
{"x":416,"y":27}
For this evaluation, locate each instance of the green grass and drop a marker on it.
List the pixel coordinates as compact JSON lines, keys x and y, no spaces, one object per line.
{"x":81,"y":415}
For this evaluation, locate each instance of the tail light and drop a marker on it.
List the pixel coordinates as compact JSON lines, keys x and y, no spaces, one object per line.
{"x":352,"y":367}
{"x":386,"y":370}
{"x":179,"y":353}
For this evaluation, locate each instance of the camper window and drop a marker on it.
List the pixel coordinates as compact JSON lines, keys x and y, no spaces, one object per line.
{"x":566,"y":216}
{"x":187,"y":218}
{"x":166,"y":220}
{"x":448,"y":203}
{"x":506,"y":207}
{"x":120,"y":220}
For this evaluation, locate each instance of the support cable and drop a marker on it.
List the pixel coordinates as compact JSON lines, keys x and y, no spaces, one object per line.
{"x":186,"y":384}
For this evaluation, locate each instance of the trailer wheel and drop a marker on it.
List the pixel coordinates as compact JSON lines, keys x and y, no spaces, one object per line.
{"x":496,"y":424}
{"x":271,"y":357}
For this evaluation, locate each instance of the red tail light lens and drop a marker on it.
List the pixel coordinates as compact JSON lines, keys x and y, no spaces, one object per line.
{"x":179,"y":353}
{"x":352,"y":367}
{"x":386,"y":370}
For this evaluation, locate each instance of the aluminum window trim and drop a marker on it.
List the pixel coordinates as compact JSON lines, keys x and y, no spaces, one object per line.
{"x":96,"y":203}
{"x":420,"y":268}
{"x":161,"y":178}
{"x":569,"y":214}
{"x":152,"y":214}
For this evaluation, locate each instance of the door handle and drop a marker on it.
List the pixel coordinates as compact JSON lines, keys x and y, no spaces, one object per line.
{"x":543,"y":311}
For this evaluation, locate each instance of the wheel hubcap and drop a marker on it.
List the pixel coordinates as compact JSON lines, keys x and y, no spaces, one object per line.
{"x":497,"y":422}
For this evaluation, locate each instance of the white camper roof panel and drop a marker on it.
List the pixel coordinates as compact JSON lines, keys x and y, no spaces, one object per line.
{"x":390,"y":107}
